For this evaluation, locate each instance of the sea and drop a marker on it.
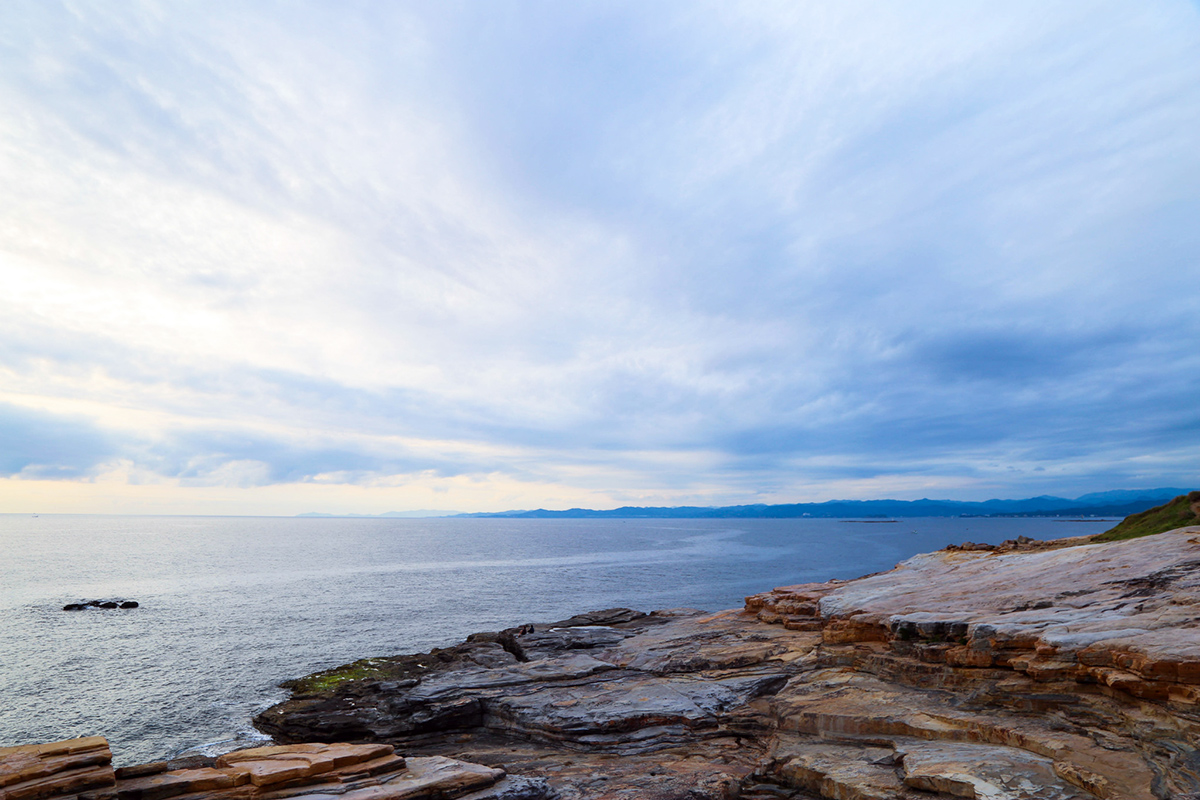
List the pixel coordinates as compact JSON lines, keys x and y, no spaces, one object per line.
{"x":231,"y":606}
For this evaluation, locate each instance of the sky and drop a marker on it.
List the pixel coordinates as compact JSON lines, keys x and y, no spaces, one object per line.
{"x":358,"y":257}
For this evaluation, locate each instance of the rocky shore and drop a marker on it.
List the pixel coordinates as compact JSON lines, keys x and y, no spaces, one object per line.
{"x":1063,"y":670}
{"x":81,"y":769}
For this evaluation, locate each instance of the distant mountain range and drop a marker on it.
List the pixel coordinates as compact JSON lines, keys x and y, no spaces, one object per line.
{"x":1118,"y":503}
{"x":420,"y":514}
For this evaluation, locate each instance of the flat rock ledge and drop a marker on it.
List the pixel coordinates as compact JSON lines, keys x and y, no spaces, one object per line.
{"x":81,"y":769}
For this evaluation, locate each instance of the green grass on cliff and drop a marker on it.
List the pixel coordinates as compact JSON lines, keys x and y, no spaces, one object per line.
{"x":1180,"y":512}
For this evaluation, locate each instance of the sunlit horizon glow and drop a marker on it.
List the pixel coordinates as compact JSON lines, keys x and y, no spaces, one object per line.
{"x":362,"y":258}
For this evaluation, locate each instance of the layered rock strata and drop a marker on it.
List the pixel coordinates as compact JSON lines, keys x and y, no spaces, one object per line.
{"x":1028,"y":672}
{"x":76,"y":768}
{"x":81,"y":769}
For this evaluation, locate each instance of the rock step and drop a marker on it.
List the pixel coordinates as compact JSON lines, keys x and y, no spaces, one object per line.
{"x":57,"y":770}
{"x":81,"y":769}
{"x":180,"y":782}
{"x":769,"y":791}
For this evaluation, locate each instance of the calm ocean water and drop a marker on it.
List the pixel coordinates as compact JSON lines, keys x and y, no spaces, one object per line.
{"x":233,"y":605}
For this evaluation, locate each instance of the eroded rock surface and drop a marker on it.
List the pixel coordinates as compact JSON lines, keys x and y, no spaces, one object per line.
{"x":76,"y":768}
{"x":81,"y":769}
{"x":1050,"y":672}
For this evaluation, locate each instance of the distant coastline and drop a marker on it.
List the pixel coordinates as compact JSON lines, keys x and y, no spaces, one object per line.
{"x":1117,"y":503}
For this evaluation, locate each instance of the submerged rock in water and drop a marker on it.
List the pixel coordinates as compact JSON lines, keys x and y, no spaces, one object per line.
{"x":1059,"y":673}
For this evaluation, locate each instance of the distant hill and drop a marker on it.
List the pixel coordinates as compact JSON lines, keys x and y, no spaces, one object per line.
{"x":420,"y":514}
{"x":1181,"y":512}
{"x":1118,"y":503}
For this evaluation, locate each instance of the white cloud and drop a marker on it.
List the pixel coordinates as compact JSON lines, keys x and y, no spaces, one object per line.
{"x":603,"y":251}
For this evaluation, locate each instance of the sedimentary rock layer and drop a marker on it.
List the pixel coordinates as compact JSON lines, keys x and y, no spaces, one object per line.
{"x":81,"y":768}
{"x":76,"y":768}
{"x":1030,"y":672}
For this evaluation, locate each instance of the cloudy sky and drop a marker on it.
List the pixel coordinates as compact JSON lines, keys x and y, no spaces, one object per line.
{"x":370,"y":256}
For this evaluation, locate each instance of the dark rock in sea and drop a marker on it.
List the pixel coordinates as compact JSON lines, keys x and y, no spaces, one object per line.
{"x":106,"y":604}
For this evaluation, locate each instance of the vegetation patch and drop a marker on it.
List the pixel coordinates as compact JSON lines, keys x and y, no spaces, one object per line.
{"x":1179,"y":513}
{"x":412,"y":668}
{"x":329,"y":679}
{"x":366,"y":669}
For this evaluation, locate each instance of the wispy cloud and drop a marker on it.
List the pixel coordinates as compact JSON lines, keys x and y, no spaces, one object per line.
{"x":604,"y":252}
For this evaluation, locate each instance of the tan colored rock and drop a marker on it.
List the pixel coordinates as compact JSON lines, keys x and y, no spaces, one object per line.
{"x":710,"y":642}
{"x":319,"y":757}
{"x":1121,"y":605}
{"x":175,"y":783}
{"x":434,"y":777}
{"x":842,"y":771}
{"x":985,"y":772}
{"x":698,"y":770}
{"x":80,"y":770}
{"x":269,"y":766}
{"x":66,"y":769}
{"x":849,"y":705}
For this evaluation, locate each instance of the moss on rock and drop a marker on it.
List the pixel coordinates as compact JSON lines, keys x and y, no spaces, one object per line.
{"x":330,"y":679}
